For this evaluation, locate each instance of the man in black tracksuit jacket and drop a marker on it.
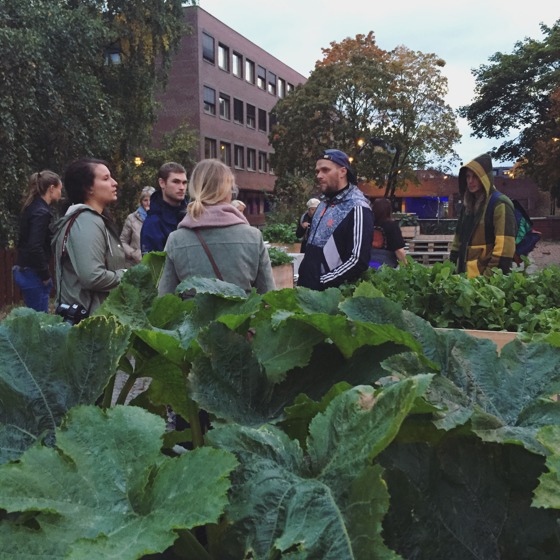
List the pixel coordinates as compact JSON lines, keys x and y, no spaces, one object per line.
{"x":339,"y":243}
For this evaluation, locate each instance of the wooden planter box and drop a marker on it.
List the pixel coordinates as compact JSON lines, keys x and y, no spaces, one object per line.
{"x":410,"y":231}
{"x":288,"y":247}
{"x":283,"y":276}
{"x":501,"y":338}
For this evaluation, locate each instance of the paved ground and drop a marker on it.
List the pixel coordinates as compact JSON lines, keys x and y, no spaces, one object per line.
{"x":545,"y":253}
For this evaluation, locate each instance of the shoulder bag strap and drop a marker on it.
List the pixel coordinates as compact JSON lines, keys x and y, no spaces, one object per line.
{"x":64,"y":253}
{"x":209,"y":255}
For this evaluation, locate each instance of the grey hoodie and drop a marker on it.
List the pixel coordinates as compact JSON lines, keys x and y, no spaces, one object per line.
{"x":94,"y":262}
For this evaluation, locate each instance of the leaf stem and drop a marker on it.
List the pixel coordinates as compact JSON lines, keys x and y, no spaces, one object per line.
{"x":194,"y":421}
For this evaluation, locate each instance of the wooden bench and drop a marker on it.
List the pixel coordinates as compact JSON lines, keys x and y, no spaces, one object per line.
{"x":428,"y":250}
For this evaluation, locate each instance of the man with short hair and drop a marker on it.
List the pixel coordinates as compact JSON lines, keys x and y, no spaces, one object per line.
{"x":339,"y":243}
{"x":167,"y":207}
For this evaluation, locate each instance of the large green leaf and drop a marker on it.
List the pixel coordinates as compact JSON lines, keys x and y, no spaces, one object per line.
{"x":506,"y":396}
{"x":230,"y":381}
{"x":467,"y":500}
{"x":329,"y":504}
{"x":304,"y":300}
{"x":47,"y":367}
{"x":106,"y":491}
{"x":547,"y":495}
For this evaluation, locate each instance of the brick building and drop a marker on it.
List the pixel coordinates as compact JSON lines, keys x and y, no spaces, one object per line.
{"x":225,"y":87}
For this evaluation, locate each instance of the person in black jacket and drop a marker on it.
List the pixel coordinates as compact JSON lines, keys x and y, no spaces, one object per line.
{"x":31,"y":272}
{"x":339,"y":244}
{"x":167,"y":207}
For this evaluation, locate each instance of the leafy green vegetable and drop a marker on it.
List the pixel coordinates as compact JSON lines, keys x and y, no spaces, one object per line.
{"x":106,"y":491}
{"x":513,"y":302}
{"x":47,"y":367}
{"x":328,"y":503}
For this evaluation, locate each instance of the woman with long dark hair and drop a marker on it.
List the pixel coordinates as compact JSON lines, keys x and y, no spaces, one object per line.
{"x":31,"y":272}
{"x":388,"y":244}
{"x":89,"y":258}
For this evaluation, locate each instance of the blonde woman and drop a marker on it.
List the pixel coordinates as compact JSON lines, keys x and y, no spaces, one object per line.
{"x":130,"y":235}
{"x":237,"y":249}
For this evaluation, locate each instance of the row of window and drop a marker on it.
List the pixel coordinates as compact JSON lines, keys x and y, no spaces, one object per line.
{"x":243,"y":158}
{"x":243,"y":113}
{"x":244,"y":68}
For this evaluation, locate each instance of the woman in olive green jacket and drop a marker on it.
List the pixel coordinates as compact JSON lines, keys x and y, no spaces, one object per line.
{"x":89,"y":257}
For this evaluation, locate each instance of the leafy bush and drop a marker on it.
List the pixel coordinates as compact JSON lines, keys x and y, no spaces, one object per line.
{"x":342,"y":428}
{"x":279,"y":257}
{"x":512,"y":302}
{"x":405,"y":219}
{"x":280,"y":233}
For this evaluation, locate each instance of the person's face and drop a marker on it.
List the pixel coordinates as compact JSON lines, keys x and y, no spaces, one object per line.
{"x":311,"y":211}
{"x":145,"y":202}
{"x":474,"y":184}
{"x":174,"y":188}
{"x":55,"y":192}
{"x":104,"y":188}
{"x":330,"y":177}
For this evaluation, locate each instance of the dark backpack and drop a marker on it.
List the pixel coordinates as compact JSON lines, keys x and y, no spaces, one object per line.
{"x":527,"y":237}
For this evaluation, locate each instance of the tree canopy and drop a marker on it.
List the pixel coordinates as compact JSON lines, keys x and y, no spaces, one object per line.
{"x":360,"y":91}
{"x":518,"y":93}
{"x":79,"y":80}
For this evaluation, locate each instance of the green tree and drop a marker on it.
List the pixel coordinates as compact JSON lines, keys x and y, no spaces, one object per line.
{"x":514,"y":95}
{"x":63,"y":97}
{"x":361,"y":91}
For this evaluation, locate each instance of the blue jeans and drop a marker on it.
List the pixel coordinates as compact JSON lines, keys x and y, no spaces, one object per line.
{"x":35,"y":293}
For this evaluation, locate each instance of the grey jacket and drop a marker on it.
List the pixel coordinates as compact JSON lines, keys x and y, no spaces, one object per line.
{"x":130,"y":238}
{"x":94,"y":262}
{"x":238,"y":250}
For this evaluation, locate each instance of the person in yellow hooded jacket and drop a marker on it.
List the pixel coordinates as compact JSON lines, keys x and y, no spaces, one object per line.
{"x":481,"y":244}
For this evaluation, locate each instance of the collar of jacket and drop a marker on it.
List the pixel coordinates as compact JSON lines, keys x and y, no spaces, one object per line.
{"x":339,"y":196}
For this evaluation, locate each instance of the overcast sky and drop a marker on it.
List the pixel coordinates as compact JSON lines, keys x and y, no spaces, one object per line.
{"x":464,"y":33}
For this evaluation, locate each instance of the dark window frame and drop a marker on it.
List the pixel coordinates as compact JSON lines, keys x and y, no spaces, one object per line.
{"x":206,"y":50}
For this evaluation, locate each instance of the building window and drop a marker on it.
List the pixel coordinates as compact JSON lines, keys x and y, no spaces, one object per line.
{"x":223,"y":57}
{"x":262,"y":120}
{"x":289,"y":88}
{"x":210,"y":151}
{"x":239,"y":157}
{"x":281,"y":87}
{"x":262,"y":162}
{"x":249,"y":71}
{"x":225,"y":152}
{"x":238,"y":111}
{"x":209,"y":100}
{"x":251,"y":159}
{"x":225,"y":112}
{"x":261,"y":77}
{"x":271,"y":121}
{"x":208,"y":48}
{"x":251,"y":118}
{"x":272,"y":83}
{"x":237,"y":65}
